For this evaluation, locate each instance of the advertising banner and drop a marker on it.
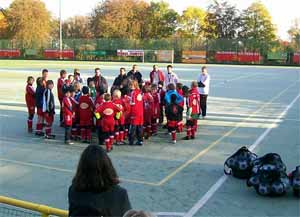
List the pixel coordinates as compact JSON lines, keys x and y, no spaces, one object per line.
{"x":130,"y":53}
{"x":165,"y":55}
{"x":189,"y":56}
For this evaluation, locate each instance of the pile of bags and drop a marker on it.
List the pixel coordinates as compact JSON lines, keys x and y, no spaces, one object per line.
{"x":266,"y":174}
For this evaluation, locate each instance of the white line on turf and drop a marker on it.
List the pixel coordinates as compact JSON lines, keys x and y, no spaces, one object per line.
{"x":69,"y":171}
{"x":223,"y":178}
{"x":169,"y":213}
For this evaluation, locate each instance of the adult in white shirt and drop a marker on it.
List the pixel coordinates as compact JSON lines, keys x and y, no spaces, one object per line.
{"x":170,"y":76}
{"x":203,"y":84}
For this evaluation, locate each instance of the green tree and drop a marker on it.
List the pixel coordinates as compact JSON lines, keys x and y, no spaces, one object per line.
{"x":223,"y":20}
{"x":77,"y":27}
{"x":29,"y":22}
{"x":294,"y":33}
{"x":161,"y":20}
{"x":258,"y":28}
{"x":192,"y":23}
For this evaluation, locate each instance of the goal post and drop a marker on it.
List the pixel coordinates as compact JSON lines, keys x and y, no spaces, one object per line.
{"x":149,"y":56}
{"x":159,"y":56}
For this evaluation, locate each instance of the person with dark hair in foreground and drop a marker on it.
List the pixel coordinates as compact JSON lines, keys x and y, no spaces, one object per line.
{"x":95,"y":186}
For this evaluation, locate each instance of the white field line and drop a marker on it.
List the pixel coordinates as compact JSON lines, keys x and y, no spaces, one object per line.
{"x":169,"y":214}
{"x":223,"y":178}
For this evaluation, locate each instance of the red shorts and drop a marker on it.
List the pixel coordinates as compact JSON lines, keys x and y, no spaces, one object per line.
{"x":49,"y":118}
{"x":40,"y":112}
{"x":86,"y":123}
{"x":172,"y":123}
{"x":107,"y":128}
{"x":147,"y":118}
{"x":68,"y":120}
{"x":31,"y":110}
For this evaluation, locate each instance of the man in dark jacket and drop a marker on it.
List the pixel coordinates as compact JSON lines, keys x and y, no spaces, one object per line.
{"x":100,"y":81}
{"x":121,"y":82}
{"x":134,"y":74}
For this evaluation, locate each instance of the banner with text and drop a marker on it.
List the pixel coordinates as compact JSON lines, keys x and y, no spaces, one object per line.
{"x":130,"y":53}
{"x":165,"y":55}
{"x":189,"y":56}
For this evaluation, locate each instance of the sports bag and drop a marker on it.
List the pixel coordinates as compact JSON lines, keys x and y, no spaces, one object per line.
{"x":240,"y":163}
{"x":269,"y":176}
{"x":295,"y":181}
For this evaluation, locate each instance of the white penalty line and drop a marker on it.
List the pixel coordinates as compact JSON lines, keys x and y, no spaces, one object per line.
{"x":169,"y":214}
{"x":223,"y":178}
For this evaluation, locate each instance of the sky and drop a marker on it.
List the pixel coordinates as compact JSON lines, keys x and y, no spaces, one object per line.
{"x":282,"y":11}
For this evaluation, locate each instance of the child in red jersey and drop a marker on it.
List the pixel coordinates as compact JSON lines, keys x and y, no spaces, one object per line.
{"x":179,"y":90}
{"x":155,"y":108}
{"x":98,"y":102}
{"x":86,"y":108}
{"x":49,"y":109}
{"x":45,"y":74}
{"x":148,"y":108}
{"x":60,"y":83}
{"x":107,"y":112}
{"x":193,"y":112}
{"x":70,"y":81}
{"x":162,"y":94}
{"x":39,"y":105}
{"x":68,"y":114}
{"x":173,"y":111}
{"x":120,"y":123}
{"x":30,"y":102}
{"x":75,"y":131}
{"x":127,"y":108}
{"x":136,"y":115}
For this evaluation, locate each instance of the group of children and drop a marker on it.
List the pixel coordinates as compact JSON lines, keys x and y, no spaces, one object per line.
{"x":133,"y":113}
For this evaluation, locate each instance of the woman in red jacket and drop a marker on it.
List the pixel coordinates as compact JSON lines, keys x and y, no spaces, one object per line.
{"x":136,"y":114}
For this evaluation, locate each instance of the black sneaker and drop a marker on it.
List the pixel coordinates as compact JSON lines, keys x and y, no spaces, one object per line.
{"x":186,"y":138}
{"x":69,"y":142}
{"x":39,"y":134}
{"x":139,"y":144}
{"x":50,"y":137}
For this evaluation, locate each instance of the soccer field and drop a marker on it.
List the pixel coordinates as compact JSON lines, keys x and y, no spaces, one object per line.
{"x":258,"y":107}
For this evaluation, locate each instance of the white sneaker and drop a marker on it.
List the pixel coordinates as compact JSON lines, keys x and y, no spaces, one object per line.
{"x":174,"y":141}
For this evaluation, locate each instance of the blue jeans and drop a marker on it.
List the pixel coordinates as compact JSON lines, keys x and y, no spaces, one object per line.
{"x":137,"y":131}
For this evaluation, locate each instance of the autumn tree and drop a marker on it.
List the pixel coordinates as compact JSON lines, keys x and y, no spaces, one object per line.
{"x":3,"y":24}
{"x":77,"y":27}
{"x":119,"y":19}
{"x":294,"y":33}
{"x":192,"y":23}
{"x":258,"y":28}
{"x":29,"y":22}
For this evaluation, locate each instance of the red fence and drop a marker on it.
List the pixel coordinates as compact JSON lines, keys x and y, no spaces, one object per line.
{"x":296,"y":58}
{"x":241,"y":57}
{"x":10,"y":53}
{"x":55,"y":54}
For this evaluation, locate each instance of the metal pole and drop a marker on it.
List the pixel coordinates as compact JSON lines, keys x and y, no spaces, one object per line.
{"x":60,"y":31}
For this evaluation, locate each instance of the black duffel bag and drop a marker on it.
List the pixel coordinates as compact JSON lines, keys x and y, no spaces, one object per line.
{"x":240,"y":164}
{"x":295,"y":181}
{"x":269,"y":176}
